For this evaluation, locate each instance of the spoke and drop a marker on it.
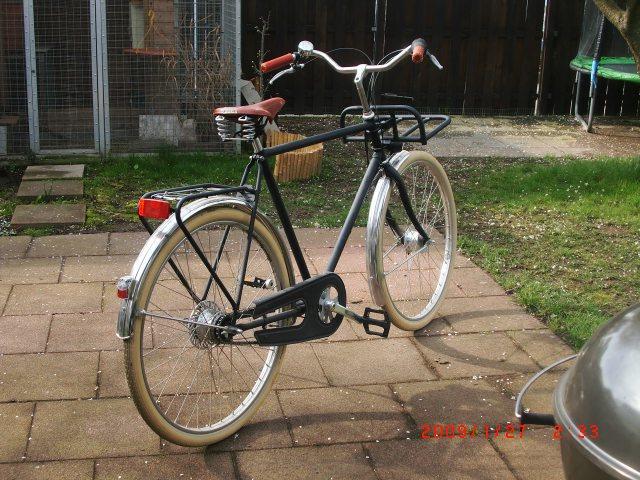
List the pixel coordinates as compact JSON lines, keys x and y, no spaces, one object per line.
{"x":187,"y":343}
{"x":195,"y":375}
{"x":395,"y":245}
{"x":160,"y":284}
{"x":417,"y":252}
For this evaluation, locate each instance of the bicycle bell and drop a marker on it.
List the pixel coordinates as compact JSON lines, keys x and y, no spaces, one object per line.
{"x":305,"y":47}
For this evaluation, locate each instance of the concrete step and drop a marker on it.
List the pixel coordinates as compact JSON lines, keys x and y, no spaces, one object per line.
{"x":53,"y":172}
{"x":50,"y":188}
{"x":48,"y":215}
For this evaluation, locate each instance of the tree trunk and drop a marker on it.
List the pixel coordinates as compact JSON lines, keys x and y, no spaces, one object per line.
{"x":625,"y":16}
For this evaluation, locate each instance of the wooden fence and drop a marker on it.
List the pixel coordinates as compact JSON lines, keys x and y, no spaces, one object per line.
{"x":491,"y":50}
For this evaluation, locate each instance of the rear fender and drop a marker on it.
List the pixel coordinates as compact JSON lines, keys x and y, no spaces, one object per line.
{"x":160,"y":237}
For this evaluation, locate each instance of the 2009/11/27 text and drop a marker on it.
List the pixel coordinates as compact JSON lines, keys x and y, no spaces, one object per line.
{"x":439,"y":431}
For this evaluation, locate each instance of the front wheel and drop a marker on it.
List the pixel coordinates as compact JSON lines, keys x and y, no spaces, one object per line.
{"x":407,"y":276}
{"x":192,"y":384}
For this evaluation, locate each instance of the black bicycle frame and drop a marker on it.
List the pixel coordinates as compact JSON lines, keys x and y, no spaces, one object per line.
{"x":378,"y":163}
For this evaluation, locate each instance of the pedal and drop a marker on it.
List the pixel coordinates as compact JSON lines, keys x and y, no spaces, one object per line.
{"x":313,"y":326}
{"x":367,"y":321}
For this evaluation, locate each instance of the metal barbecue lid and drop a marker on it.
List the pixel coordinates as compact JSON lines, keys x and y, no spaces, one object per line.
{"x":603,"y":389}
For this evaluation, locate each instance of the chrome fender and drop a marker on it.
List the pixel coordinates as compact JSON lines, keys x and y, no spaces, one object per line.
{"x":375,"y":228}
{"x":159,"y":238}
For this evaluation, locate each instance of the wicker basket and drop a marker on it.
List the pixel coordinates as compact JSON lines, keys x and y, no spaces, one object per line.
{"x":300,"y":164}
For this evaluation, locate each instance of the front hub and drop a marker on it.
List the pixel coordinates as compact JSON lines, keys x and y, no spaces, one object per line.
{"x":412,"y":241}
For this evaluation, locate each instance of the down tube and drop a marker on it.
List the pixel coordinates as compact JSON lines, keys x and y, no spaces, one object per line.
{"x":369,"y":176}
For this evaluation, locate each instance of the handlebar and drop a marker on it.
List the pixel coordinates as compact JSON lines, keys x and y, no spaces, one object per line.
{"x":417,"y":50}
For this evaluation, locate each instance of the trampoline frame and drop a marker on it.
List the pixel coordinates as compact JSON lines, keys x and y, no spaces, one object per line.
{"x":587,"y":123}
{"x":593,"y":90}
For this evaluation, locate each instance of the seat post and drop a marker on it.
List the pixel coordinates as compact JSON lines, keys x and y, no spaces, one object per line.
{"x":257,"y":145}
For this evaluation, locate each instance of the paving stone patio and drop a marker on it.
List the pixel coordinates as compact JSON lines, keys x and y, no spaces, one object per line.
{"x":347,"y":407}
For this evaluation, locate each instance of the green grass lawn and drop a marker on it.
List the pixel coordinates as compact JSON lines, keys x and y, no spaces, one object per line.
{"x":114,"y":186}
{"x":565,"y":238}
{"x":562,"y":235}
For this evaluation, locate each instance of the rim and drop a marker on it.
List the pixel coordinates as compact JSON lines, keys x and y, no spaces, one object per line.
{"x":417,"y":273}
{"x":229,"y":388}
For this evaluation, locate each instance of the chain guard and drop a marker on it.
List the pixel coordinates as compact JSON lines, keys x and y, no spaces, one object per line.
{"x":312,"y":326}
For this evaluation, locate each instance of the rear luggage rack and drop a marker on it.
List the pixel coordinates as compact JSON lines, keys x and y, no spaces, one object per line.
{"x":180,"y":196}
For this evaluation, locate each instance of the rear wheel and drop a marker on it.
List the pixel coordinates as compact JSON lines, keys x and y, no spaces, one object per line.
{"x":192,"y":383}
{"x":408,"y":278}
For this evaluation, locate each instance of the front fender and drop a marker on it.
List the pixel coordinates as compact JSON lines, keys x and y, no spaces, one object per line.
{"x":375,"y":228}
{"x":159,"y":238}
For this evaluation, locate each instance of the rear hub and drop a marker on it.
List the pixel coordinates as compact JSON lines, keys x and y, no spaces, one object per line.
{"x":208,"y":316}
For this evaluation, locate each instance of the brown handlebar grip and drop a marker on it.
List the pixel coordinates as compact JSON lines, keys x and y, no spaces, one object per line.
{"x":419,"y":49}
{"x":276,"y":63}
{"x":417,"y":56}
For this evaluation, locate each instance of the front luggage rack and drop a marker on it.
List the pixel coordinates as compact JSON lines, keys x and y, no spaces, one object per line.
{"x":390,"y":117}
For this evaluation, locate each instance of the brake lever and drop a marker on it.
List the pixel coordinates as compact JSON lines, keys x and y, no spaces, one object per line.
{"x":291,"y":69}
{"x":434,"y":60}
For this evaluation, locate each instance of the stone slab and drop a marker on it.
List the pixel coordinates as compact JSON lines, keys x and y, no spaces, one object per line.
{"x":29,"y":270}
{"x":543,"y":346}
{"x":26,"y":334}
{"x":15,"y":419}
{"x":301,"y":369}
{"x":97,"y":268}
{"x":51,"y":376}
{"x":88,"y":429}
{"x":539,"y":397}
{"x":470,"y":402}
{"x":127,"y":243}
{"x":373,"y":362}
{"x":311,"y":463}
{"x":14,"y":247}
{"x":4,"y":295}
{"x":461,"y":459}
{"x":218,"y":466}
{"x":334,"y":415}
{"x":536,"y":456}
{"x":50,"y":188}
{"x":69,"y":245}
{"x":53,"y":172}
{"x":48,"y":215}
{"x":83,"y":332}
{"x":459,"y":356}
{"x":54,"y":298}
{"x":486,"y":314}
{"x":473,"y":282}
{"x":69,"y":470}
{"x":352,"y":259}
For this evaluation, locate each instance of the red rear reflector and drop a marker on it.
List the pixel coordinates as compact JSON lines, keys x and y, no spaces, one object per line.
{"x":123,"y":286}
{"x":151,"y":208}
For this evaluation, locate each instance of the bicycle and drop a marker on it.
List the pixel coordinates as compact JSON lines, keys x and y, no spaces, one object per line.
{"x":216,"y":270}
